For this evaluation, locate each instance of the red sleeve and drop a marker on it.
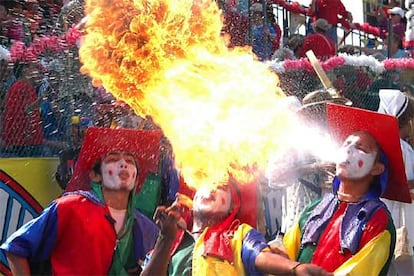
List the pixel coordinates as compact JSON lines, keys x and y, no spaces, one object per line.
{"x":376,"y":225}
{"x":341,"y":9}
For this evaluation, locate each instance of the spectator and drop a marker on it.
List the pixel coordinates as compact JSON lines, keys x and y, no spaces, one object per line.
{"x":263,"y":34}
{"x":395,"y":103}
{"x":398,"y":22}
{"x":22,"y":125}
{"x":235,"y":24}
{"x":68,"y":157}
{"x":334,"y":12}
{"x":319,"y":42}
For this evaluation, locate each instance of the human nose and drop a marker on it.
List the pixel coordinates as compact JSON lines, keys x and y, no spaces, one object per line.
{"x":123,"y":163}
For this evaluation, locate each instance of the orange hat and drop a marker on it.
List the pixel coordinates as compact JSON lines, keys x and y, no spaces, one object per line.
{"x":143,"y":144}
{"x":345,"y":120}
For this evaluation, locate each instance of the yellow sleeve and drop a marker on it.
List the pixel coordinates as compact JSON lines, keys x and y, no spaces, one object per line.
{"x":291,"y":242}
{"x":370,"y":260}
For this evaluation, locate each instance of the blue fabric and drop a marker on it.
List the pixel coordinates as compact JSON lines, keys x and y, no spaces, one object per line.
{"x":35,"y":239}
{"x":253,"y":244}
{"x":261,"y":45}
{"x":144,"y":225}
{"x":333,"y":34}
{"x":170,"y":176}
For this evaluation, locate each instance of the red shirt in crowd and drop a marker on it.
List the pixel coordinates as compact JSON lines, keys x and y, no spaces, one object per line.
{"x":320,"y":44}
{"x":330,"y":10}
{"x":21,"y":126}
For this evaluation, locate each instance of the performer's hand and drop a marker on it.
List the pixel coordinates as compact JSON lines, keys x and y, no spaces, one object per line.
{"x":167,"y":219}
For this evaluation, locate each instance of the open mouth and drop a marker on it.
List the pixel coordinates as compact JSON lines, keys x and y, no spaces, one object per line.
{"x":123,"y":175}
{"x":343,"y":164}
{"x":209,"y":197}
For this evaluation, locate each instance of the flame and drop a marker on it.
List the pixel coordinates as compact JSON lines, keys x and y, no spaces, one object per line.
{"x":221,"y":109}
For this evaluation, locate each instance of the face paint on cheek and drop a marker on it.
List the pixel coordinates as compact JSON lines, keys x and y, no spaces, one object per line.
{"x":223,"y":201}
{"x":359,"y":163}
{"x":110,"y":172}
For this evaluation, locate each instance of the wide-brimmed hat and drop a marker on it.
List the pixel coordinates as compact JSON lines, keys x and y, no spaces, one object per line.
{"x":314,"y":104}
{"x":345,"y":120}
{"x":143,"y":144}
{"x":321,"y":24}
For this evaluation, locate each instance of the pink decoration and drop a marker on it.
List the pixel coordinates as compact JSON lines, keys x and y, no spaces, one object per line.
{"x":333,"y":63}
{"x":402,"y":63}
{"x":56,"y":44}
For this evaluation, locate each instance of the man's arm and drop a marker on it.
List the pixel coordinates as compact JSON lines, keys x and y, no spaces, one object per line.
{"x":18,"y":265}
{"x":270,"y":263}
{"x":167,"y":219}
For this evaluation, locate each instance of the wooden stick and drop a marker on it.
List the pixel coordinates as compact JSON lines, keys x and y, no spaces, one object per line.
{"x":319,"y":71}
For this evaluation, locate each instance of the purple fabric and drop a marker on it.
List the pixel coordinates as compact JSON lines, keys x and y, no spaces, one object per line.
{"x":355,"y":218}
{"x":353,"y":225}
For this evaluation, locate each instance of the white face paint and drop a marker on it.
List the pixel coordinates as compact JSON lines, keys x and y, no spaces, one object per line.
{"x":208,"y":201}
{"x":353,"y":162}
{"x":119,"y":172}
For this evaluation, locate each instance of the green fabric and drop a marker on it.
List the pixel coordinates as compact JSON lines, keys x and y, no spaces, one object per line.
{"x":147,"y":200}
{"x":181,"y":262}
{"x":305,"y":254}
{"x":124,"y":257}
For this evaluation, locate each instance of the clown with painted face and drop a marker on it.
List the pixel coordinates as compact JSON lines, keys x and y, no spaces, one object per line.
{"x":350,"y":231}
{"x":94,"y":229}
{"x":219,"y":243}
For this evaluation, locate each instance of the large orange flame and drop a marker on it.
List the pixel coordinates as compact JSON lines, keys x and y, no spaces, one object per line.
{"x":220,"y":108}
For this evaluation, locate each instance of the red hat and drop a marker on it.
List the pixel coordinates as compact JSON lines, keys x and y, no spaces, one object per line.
{"x":345,"y":120}
{"x":143,"y":144}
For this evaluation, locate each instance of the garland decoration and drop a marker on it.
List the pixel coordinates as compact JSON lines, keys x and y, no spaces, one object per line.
{"x":343,"y":59}
{"x":56,"y":44}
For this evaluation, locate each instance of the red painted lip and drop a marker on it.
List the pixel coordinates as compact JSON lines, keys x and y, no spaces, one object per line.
{"x":123,"y":174}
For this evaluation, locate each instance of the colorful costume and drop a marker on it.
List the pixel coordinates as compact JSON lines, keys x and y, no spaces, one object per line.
{"x":77,"y":231}
{"x":367,"y":240}
{"x":229,"y":247}
{"x":189,"y":259}
{"x":354,"y":238}
{"x":78,"y":226}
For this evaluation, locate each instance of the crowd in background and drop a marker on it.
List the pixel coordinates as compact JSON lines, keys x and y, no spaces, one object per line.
{"x":44,"y":99}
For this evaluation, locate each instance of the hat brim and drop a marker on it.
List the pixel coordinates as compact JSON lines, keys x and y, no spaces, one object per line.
{"x":143,"y":144}
{"x":339,"y":100}
{"x":345,"y":120}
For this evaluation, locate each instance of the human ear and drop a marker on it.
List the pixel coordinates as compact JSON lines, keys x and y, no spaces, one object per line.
{"x":377,"y":169}
{"x":95,"y":177}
